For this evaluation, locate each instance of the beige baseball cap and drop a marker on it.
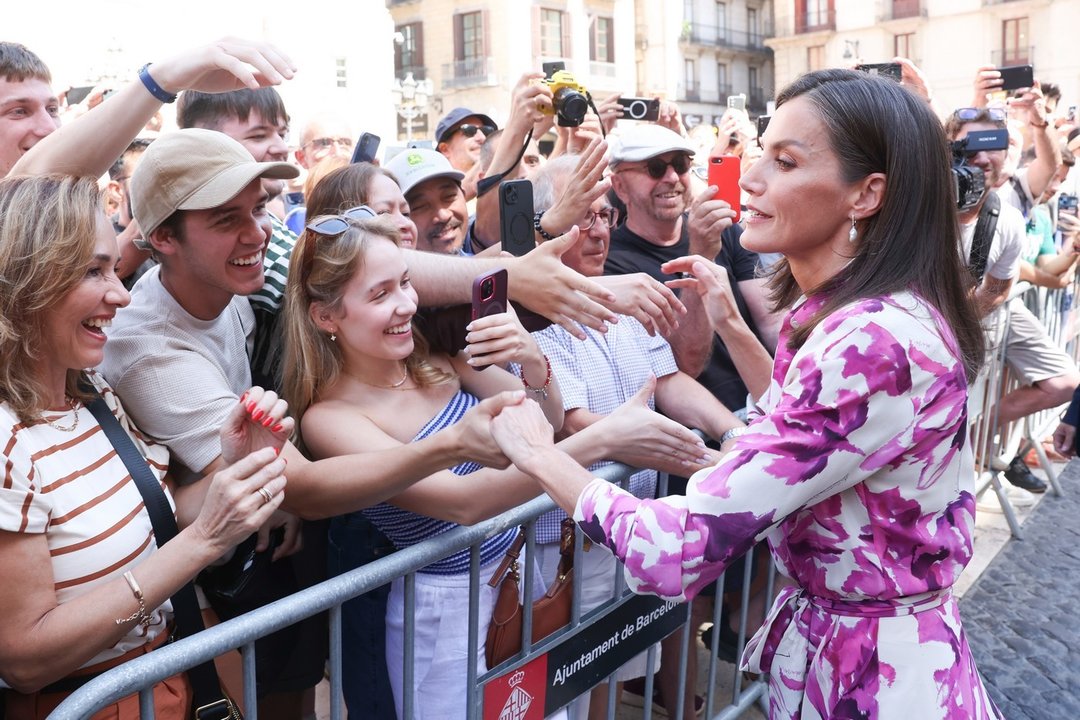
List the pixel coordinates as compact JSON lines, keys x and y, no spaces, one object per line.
{"x":194,"y":169}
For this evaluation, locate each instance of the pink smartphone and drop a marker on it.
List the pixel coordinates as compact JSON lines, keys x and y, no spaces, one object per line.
{"x":724,"y":172}
{"x":488,"y":297}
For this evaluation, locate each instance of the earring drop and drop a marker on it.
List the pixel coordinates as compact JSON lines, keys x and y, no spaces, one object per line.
{"x":333,"y":337}
{"x":853,"y":234}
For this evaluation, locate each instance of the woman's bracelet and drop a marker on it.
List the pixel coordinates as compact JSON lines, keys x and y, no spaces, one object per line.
{"x":542,"y":391}
{"x":140,"y":616}
{"x":539,"y":228}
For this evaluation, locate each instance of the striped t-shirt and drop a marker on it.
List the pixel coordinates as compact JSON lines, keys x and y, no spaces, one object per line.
{"x":73,"y":488}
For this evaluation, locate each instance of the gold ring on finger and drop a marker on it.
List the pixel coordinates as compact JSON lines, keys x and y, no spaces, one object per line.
{"x":266,"y":494}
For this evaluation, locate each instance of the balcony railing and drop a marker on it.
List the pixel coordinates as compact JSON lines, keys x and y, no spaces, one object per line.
{"x":756,"y":100}
{"x":722,"y":92}
{"x":690,"y":92}
{"x":470,"y":72}
{"x":1013,"y":56}
{"x":815,"y":21}
{"x":898,"y":9}
{"x":715,"y":36}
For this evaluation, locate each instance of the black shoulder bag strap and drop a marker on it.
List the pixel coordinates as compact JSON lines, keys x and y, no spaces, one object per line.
{"x":984,"y":236}
{"x":209,"y":701}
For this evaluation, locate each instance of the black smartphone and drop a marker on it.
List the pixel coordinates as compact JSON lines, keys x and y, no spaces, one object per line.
{"x":889,"y":70}
{"x":762,"y":124}
{"x":1068,"y":204}
{"x":550,"y":68}
{"x":1015,"y":77}
{"x":637,"y":108}
{"x":516,"y":217}
{"x":366,"y":148}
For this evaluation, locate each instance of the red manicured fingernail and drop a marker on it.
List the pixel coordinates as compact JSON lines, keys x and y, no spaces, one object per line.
{"x":277,"y":451}
{"x":278,"y":427}
{"x":269,"y":419}
{"x":257,"y":415}
{"x":243,"y":397}
{"x":251,"y":406}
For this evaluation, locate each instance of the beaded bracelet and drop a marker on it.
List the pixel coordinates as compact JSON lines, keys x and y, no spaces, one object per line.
{"x":542,"y":391}
{"x":140,"y":616}
{"x":539,"y":228}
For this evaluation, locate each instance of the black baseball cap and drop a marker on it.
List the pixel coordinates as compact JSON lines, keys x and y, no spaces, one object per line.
{"x":449,"y":122}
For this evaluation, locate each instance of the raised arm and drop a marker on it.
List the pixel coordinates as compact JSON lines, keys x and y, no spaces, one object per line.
{"x":93,"y":141}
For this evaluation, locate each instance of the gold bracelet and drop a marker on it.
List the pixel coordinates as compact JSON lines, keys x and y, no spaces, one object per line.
{"x":140,"y":616}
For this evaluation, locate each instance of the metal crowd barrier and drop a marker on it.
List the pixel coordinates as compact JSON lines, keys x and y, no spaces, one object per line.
{"x":1054,"y":309}
{"x":141,"y":674}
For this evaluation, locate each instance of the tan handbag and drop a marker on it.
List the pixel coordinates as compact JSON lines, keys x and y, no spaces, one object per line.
{"x":550,"y":613}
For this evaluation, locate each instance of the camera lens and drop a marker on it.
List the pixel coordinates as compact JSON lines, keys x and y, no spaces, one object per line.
{"x":637,"y":110}
{"x":487,"y":289}
{"x":571,"y":106}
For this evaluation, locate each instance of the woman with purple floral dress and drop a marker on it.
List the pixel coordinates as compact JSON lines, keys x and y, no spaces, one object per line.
{"x":855,"y":464}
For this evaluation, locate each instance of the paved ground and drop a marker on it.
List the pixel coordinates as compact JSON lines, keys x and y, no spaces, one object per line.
{"x":1022,"y":615}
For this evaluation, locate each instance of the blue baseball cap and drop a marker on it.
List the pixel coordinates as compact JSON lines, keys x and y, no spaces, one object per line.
{"x":449,"y":122}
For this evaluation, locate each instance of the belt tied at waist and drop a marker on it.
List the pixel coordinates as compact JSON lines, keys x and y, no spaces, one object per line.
{"x":781,"y":646}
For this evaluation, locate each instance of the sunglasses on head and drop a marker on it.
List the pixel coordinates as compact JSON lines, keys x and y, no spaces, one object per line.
{"x":329,"y":226}
{"x":968,"y":114}
{"x":468,"y":129}
{"x":657,"y":167}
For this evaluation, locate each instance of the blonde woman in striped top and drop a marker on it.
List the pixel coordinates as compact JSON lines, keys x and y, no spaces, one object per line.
{"x":87,"y":585}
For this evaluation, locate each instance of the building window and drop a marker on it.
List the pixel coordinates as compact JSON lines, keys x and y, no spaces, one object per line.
{"x":688,"y":11}
{"x":814,"y":15}
{"x":468,"y":36}
{"x":602,"y":40}
{"x":1014,"y":41}
{"x":904,"y":45}
{"x":409,"y":53}
{"x":551,"y":33}
{"x":690,"y":73}
{"x":815,"y":58}
{"x":341,"y":72}
{"x":721,"y":18}
{"x":752,"y":79}
{"x":723,"y":85}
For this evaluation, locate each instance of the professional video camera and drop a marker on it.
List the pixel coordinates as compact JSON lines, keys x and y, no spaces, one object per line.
{"x":970,"y":181}
{"x":569,"y":98}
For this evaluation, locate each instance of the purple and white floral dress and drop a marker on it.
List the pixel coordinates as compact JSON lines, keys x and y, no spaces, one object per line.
{"x":857,"y":468}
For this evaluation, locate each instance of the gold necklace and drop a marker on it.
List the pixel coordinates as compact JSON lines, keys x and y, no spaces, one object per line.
{"x":392,"y":386}
{"x":73,"y":404}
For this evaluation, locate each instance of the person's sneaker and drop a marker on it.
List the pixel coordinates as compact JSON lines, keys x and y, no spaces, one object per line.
{"x":1021,"y":476}
{"x":727,"y":645}
{"x":1019,"y":498}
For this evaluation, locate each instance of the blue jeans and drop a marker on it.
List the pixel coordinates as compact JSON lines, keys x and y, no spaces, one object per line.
{"x":354,"y":542}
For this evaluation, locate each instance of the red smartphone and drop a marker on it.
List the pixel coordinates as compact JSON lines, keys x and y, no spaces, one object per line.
{"x":488,"y":297}
{"x":724,"y":173}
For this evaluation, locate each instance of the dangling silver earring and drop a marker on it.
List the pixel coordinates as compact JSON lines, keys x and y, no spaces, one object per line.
{"x":333,"y":337}
{"x":853,"y":234}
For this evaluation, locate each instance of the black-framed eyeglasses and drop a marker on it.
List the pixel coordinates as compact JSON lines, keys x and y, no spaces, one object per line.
{"x":468,"y":129}
{"x":657,"y":167}
{"x":609,"y":216}
{"x":329,"y":226}
{"x":967,"y":114}
{"x":325,"y":142}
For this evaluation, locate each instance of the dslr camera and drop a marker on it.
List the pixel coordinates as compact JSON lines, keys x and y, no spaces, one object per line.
{"x":970,"y":181}
{"x":570,"y":99}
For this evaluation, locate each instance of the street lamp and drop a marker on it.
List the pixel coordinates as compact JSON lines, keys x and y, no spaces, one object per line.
{"x":410,"y":100}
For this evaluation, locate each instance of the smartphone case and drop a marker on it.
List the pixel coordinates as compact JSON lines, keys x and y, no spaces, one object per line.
{"x":516,"y":217}
{"x":724,"y":172}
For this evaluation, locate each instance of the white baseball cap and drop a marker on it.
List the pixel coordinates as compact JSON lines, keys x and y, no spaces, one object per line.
{"x":645,"y":141}
{"x":415,"y":165}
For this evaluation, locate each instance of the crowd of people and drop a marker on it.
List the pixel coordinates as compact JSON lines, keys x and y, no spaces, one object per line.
{"x":285,"y":337}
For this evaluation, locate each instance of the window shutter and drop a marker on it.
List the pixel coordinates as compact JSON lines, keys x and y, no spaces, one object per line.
{"x":567,"y":48}
{"x":594,"y":26}
{"x":419,"y":30}
{"x":459,"y":38}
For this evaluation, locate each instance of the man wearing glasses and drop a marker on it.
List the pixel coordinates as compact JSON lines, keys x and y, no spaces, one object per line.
{"x":325,"y":135}
{"x":459,"y":136}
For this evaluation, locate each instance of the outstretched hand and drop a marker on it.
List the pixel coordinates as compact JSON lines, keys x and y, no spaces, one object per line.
{"x":474,"y":434}
{"x":258,"y":420}
{"x":224,"y":65}
{"x":710,"y":282}
{"x":541,"y":282}
{"x":520,"y":431}
{"x":647,"y":439}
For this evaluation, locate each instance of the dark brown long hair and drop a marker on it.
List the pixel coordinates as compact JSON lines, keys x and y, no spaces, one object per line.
{"x":913,"y":241}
